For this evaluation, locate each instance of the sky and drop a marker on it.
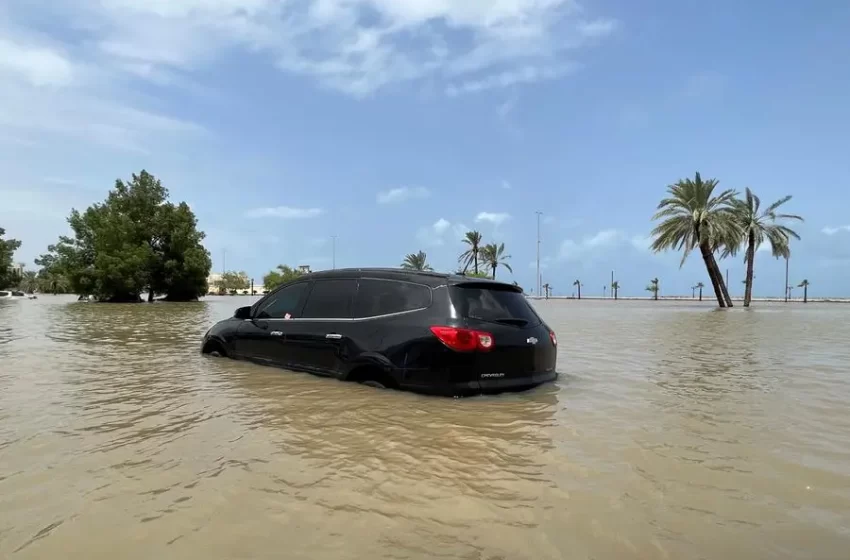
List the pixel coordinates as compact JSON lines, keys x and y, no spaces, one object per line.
{"x":383,"y":127}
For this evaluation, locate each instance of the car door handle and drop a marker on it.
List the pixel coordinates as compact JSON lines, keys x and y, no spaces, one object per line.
{"x":333,"y":336}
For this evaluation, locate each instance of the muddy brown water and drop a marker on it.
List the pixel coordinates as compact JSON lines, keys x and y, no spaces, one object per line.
{"x":675,"y":431}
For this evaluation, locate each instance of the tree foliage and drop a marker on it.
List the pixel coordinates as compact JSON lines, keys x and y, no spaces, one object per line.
{"x":755,"y":226}
{"x":282,"y":275}
{"x":416,"y":261}
{"x":494,"y":255}
{"x":693,"y":217}
{"x":7,"y":253}
{"x":471,"y":256}
{"x":134,"y":241}
{"x":231,"y":281}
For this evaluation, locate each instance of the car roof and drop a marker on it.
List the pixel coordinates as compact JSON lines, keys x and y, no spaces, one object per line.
{"x":425,"y":277}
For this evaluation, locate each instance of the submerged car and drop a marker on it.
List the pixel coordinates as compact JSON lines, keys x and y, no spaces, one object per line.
{"x":426,"y":332}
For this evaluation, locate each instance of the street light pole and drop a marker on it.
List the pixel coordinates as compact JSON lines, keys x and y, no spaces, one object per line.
{"x":538,"y":252}
{"x":333,"y":243}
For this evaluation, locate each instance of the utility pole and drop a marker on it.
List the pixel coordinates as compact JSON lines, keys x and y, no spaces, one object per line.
{"x":538,"y":252}
{"x":333,"y":241}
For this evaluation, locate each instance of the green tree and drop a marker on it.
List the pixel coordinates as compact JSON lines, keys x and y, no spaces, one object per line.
{"x":693,"y":218}
{"x":577,"y":284}
{"x":231,"y":281}
{"x":754,"y":227}
{"x":471,"y":255}
{"x":805,"y":285}
{"x":134,"y":241}
{"x":416,"y":261}
{"x":282,"y":275}
{"x":700,"y":286}
{"x":474,"y":274}
{"x":494,"y":255}
{"x":653,"y":287}
{"x":615,"y":287}
{"x":7,"y":253}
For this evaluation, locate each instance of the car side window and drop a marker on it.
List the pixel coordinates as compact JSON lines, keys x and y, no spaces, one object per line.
{"x":286,"y":300}
{"x":330,"y":299}
{"x":383,"y":297}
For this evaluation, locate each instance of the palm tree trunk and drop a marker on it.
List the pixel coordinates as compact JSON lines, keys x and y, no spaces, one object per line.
{"x":579,"y":291}
{"x":494,"y":271}
{"x":475,"y":257}
{"x":723,"y":289}
{"x":751,"y":255}
{"x":713,"y":272}
{"x":700,"y":294}
{"x":805,"y":294}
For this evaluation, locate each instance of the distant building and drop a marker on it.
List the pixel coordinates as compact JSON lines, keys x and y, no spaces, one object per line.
{"x":304,"y":268}
{"x":17,"y":269}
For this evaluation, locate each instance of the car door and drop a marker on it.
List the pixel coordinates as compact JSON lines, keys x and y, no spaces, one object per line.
{"x":322,"y":331}
{"x":262,"y":338}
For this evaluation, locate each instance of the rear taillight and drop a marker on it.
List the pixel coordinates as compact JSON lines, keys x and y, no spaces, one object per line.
{"x":553,"y":338}
{"x":464,"y":340}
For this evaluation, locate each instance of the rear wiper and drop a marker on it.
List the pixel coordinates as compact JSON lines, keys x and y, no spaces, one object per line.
{"x":511,"y":321}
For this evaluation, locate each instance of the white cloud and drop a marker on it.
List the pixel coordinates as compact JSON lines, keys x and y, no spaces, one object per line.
{"x":833,"y":230}
{"x":401,"y":194}
{"x":525,"y":75}
{"x":441,"y":231}
{"x":574,"y":250}
{"x":356,"y":46}
{"x":441,"y":226}
{"x":506,"y":184}
{"x":284,"y":212}
{"x":598,"y":28}
{"x":38,"y":65}
{"x":641,"y":242}
{"x":495,"y":218}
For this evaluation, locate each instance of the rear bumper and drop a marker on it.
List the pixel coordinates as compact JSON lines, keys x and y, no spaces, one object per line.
{"x":483,"y":386}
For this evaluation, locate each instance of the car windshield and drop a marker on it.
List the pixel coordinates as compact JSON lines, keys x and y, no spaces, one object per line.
{"x":494,"y":303}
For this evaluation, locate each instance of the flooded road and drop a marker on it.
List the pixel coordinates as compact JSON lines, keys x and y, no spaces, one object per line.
{"x":675,"y":431}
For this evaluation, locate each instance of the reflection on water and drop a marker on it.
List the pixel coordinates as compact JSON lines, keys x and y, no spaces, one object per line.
{"x":674,"y":431}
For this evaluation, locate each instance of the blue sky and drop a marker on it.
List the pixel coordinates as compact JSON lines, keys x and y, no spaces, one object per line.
{"x":396,"y":126}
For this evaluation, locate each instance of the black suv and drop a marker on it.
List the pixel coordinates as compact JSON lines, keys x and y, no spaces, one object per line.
{"x":422,"y":331}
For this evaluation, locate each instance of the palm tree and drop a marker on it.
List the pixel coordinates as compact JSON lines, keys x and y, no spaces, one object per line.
{"x":805,"y":285}
{"x":577,"y":284}
{"x":416,"y":261}
{"x":470,"y":256}
{"x":493,"y":256}
{"x":615,"y":287}
{"x":653,"y":287}
{"x":700,"y":286}
{"x":694,"y":218}
{"x":693,"y":292}
{"x":546,"y":288}
{"x":754,"y":226}
{"x":28,"y":282}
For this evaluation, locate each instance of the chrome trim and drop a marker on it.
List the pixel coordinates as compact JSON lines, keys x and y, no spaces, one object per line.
{"x":346,"y":319}
{"x":333,"y":336}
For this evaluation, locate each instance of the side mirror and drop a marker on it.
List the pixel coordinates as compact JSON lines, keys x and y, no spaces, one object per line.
{"x":243,"y":313}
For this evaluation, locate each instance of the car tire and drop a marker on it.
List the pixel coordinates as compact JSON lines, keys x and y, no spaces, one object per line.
{"x":215,"y":354}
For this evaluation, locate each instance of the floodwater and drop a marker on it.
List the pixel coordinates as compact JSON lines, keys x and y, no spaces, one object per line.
{"x":675,"y":431}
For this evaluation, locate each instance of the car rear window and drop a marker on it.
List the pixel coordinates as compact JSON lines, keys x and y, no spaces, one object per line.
{"x":493,"y":303}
